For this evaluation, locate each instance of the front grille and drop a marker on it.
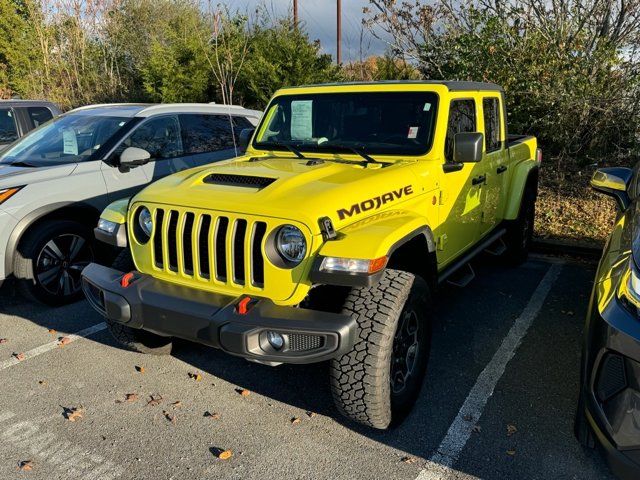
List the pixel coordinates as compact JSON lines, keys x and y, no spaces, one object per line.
{"x":299,"y":342}
{"x":209,"y":247}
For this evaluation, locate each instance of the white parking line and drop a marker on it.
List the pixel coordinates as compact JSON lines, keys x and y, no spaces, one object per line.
{"x":50,"y":346}
{"x":441,"y":462}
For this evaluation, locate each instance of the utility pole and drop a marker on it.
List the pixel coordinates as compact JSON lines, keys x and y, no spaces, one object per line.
{"x":295,"y":14}
{"x":339,"y":32}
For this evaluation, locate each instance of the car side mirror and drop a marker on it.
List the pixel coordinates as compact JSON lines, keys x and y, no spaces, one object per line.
{"x":613,"y":181}
{"x":245,"y":137}
{"x":132,"y":157}
{"x":467,"y":147}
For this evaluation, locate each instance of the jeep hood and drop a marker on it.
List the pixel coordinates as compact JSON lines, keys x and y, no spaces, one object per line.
{"x":290,"y":188}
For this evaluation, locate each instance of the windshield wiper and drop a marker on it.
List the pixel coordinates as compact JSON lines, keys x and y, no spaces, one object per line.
{"x":20,"y":163}
{"x":358,"y":151}
{"x":286,"y":146}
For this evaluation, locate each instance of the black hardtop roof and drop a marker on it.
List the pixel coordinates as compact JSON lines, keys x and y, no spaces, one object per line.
{"x":452,"y":85}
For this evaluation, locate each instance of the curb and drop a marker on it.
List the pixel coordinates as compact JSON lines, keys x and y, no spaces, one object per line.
{"x":556,"y":247}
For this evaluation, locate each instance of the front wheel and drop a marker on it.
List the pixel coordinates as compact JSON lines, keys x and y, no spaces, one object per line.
{"x":379,"y":380}
{"x":50,"y":259}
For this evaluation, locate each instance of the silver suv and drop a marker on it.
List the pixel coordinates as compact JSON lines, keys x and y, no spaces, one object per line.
{"x":55,"y":181}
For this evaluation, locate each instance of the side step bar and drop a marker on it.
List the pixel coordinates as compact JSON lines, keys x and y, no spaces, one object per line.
{"x":462,"y":277}
{"x":497,"y":248}
{"x":467,"y":257}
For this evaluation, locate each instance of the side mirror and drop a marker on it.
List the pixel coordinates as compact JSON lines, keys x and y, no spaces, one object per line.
{"x":133,"y":157}
{"x":245,"y":137}
{"x":467,"y":147}
{"x":613,"y":181}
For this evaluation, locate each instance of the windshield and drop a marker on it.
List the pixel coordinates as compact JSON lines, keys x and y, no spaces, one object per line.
{"x":67,"y":139}
{"x":392,"y":123}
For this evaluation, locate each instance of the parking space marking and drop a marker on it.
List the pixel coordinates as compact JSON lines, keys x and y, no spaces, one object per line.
{"x":52,"y":345}
{"x":441,"y":462}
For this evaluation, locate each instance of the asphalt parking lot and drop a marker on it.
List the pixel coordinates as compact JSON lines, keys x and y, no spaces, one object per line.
{"x":498,"y":400}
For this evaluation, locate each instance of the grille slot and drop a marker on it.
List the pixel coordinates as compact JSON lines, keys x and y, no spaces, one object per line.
{"x":299,"y":342}
{"x":611,"y":377}
{"x":238,"y":180}
{"x":210,"y":248}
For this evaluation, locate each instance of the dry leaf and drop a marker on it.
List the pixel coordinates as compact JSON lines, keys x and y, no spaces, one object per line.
{"x":25,"y":465}
{"x":310,"y":414}
{"x":570,"y":313}
{"x":19,"y":356}
{"x":52,"y":331}
{"x":476,"y":429}
{"x":213,"y":416}
{"x":196,"y":376}
{"x":511,"y":453}
{"x":74,"y":413}
{"x":409,"y":459}
{"x":129,"y":398}
{"x":62,"y":341}
{"x":41,"y":382}
{"x":3,"y":340}
{"x":511,"y":429}
{"x":177,"y":404}
{"x":243,"y":391}
{"x":295,"y":421}
{"x":154,"y":400}
{"x":168,"y":416}
{"x":139,"y":369}
{"x":225,"y":454}
{"x":468,"y":418}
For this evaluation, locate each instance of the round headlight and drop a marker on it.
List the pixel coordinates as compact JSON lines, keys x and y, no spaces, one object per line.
{"x":291,"y":244}
{"x":145,"y":221}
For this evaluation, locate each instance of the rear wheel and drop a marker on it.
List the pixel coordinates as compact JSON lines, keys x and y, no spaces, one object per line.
{"x":520,"y":231}
{"x":379,"y":380}
{"x":50,"y":259}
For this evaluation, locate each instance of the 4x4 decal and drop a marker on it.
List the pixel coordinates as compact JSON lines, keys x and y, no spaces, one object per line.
{"x":375,"y":203}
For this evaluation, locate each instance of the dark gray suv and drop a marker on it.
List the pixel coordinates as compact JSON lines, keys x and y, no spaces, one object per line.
{"x":19,"y":117}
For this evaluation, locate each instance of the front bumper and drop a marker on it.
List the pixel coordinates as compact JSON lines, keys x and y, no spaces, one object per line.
{"x":611,"y":385}
{"x":214,"y":319}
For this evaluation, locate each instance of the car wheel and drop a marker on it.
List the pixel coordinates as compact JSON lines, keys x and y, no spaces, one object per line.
{"x":379,"y":380}
{"x":50,"y":259}
{"x":520,"y":231}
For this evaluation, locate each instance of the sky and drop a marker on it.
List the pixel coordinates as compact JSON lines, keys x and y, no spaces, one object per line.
{"x":319,"y":20}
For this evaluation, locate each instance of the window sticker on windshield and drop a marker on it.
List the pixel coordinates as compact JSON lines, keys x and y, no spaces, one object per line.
{"x":427,"y":107}
{"x":301,"y":128}
{"x":70,"y":142}
{"x":413,"y":132}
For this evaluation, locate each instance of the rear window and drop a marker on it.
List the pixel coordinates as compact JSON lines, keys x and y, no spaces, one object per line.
{"x":462,"y":119}
{"x":203,"y":133}
{"x":8,"y":130}
{"x":39,"y":115}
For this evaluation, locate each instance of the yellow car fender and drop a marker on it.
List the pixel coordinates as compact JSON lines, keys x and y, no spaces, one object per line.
{"x":116,"y":211}
{"x":518,"y":184}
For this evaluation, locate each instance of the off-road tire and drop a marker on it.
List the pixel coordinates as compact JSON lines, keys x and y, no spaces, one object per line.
{"x":32,"y":245}
{"x":361,"y":379}
{"x":581,"y":427}
{"x":135,"y":339}
{"x":520,"y":231}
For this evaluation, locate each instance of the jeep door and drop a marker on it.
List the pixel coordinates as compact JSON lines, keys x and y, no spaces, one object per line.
{"x":460,"y":204}
{"x":495,"y":162}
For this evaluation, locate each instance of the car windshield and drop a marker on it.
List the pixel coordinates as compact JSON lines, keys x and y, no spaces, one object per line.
{"x":391,"y":123}
{"x":67,"y":139}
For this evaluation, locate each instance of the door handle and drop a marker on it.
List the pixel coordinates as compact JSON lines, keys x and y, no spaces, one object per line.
{"x":501,"y":169}
{"x":479,"y":179}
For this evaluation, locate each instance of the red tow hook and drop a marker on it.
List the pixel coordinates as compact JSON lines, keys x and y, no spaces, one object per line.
{"x":127,"y":279}
{"x":242,"y":308}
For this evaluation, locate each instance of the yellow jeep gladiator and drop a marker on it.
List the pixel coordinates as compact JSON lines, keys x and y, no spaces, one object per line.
{"x":327,"y":240}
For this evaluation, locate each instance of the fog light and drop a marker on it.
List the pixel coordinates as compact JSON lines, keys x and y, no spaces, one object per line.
{"x":275,"y":340}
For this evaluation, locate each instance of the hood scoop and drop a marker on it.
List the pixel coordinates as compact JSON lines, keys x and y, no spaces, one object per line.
{"x":232,"y":180}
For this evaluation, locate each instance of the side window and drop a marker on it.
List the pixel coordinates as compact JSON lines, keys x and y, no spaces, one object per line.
{"x":491,"y":113}
{"x":158,"y":136}
{"x":8,"y":129}
{"x":204,"y":133}
{"x":462,"y":118}
{"x":240,"y":123}
{"x":39,"y":115}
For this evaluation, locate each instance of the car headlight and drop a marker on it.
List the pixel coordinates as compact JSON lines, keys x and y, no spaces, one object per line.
{"x":107,"y":225}
{"x":143,"y":227}
{"x":630,"y":285}
{"x":7,"y":193}
{"x":291,"y":244}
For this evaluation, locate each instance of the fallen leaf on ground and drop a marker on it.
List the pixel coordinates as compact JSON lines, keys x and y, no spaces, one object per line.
{"x":409,"y":459}
{"x":52,"y":331}
{"x":468,"y":418}
{"x":243,"y":391}
{"x":310,"y":414}
{"x":511,"y":429}
{"x":476,"y":429}
{"x":168,"y":416}
{"x":511,"y":453}
{"x":196,"y":376}
{"x":41,"y":382}
{"x":154,"y":400}
{"x":570,"y":313}
{"x":25,"y":465}
{"x":62,"y":341}
{"x":213,"y":416}
{"x":74,"y":413}
{"x":19,"y":356}
{"x":177,"y":404}
{"x":139,"y":369}
{"x":225,"y":454}
{"x":295,"y":421}
{"x":3,"y":340}
{"x":129,"y":398}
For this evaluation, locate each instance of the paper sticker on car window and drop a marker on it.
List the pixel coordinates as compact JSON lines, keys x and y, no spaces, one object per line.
{"x":70,"y":142}
{"x":301,"y":127}
{"x":413,"y":132}
{"x":427,"y":107}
